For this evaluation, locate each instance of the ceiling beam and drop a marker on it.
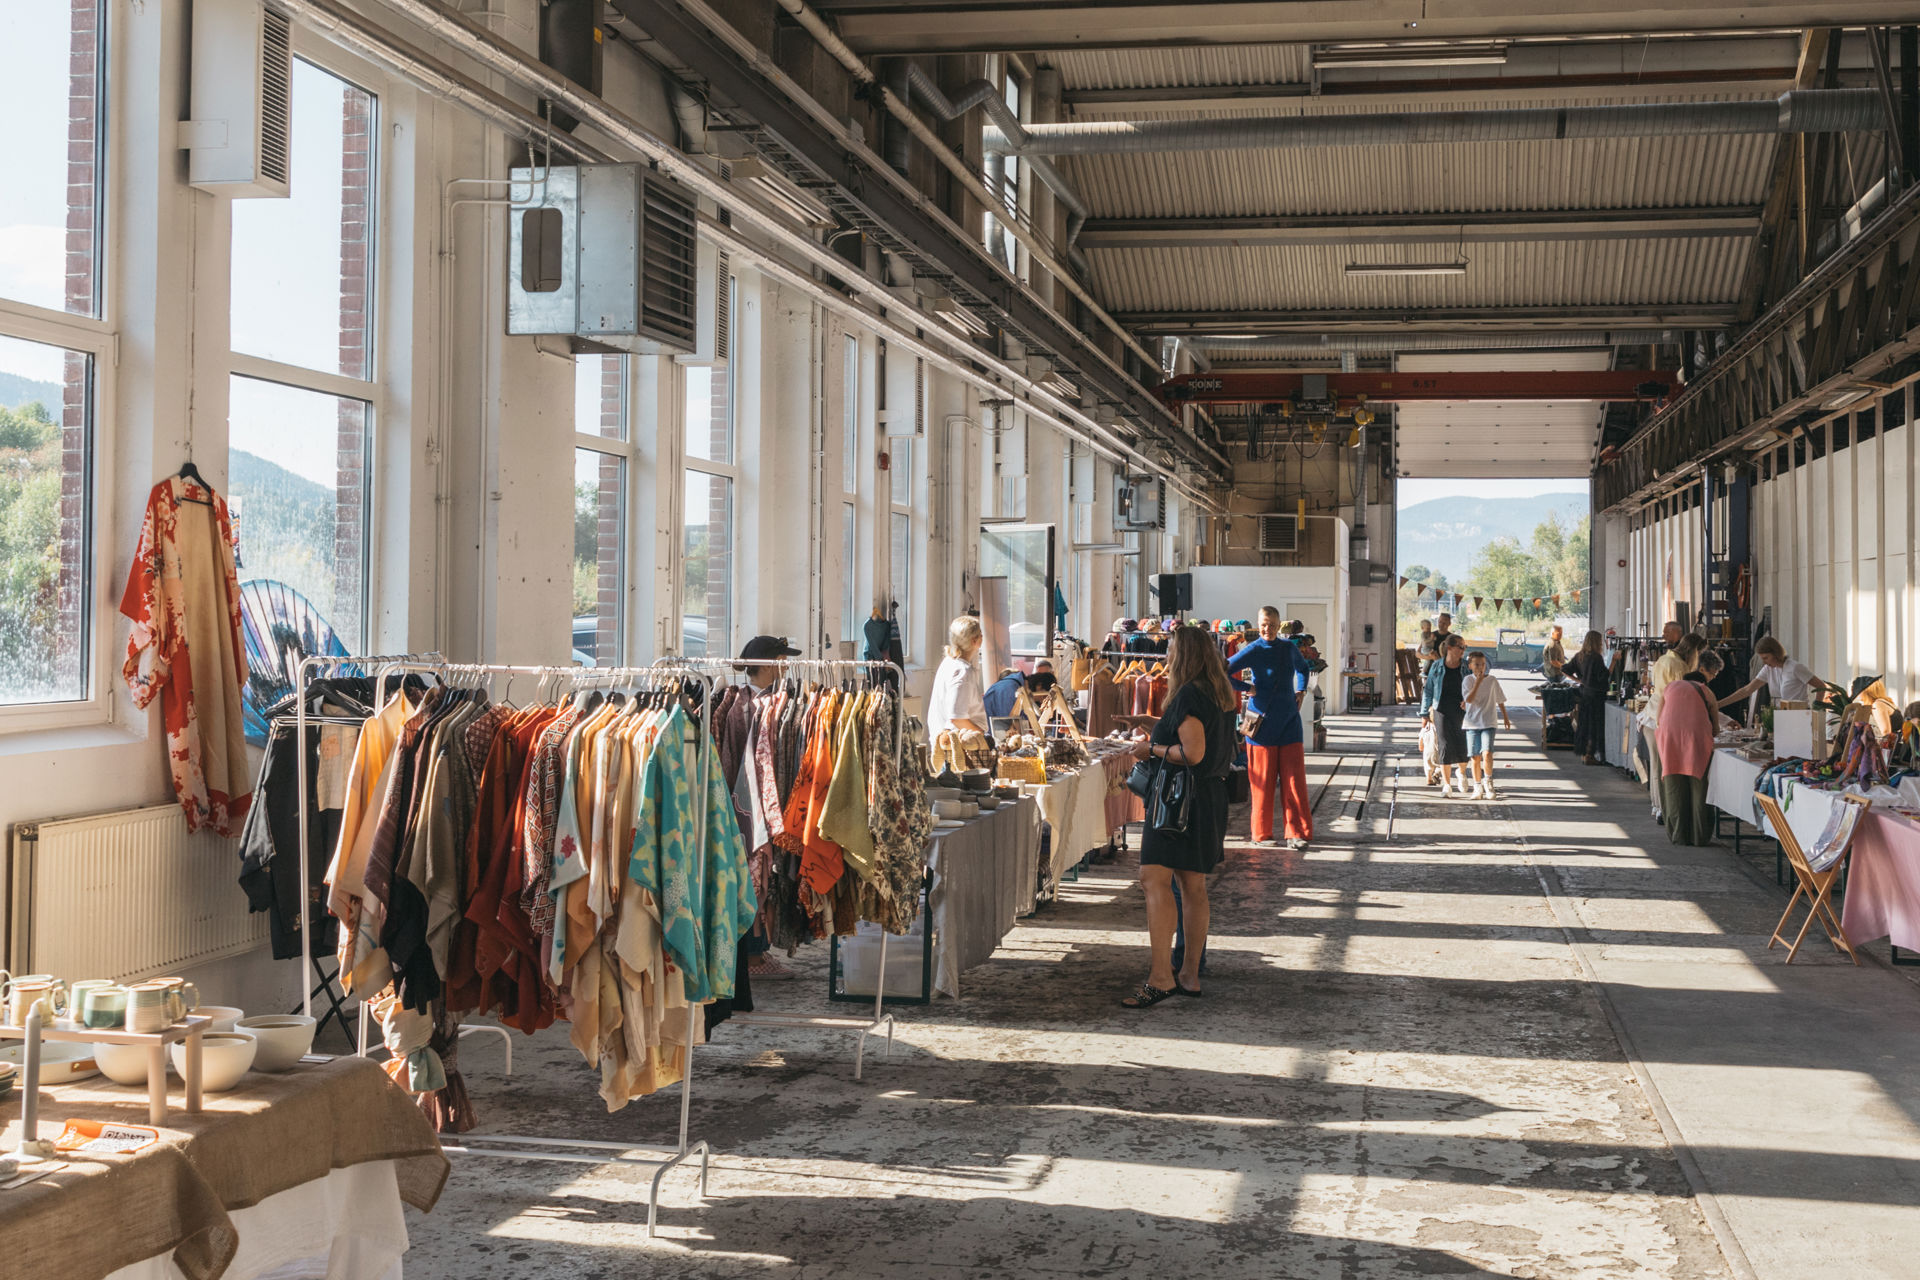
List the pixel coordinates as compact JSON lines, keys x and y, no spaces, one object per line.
{"x":1480,"y":227}
{"x":984,"y":26}
{"x":1357,"y":93}
{"x":1505,"y":387}
{"x":1657,"y":315}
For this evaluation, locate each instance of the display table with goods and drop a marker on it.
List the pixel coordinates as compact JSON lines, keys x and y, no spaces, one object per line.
{"x":1621,"y":743}
{"x":1076,"y":776}
{"x":1883,"y":877}
{"x":310,"y":1165}
{"x":981,"y":875}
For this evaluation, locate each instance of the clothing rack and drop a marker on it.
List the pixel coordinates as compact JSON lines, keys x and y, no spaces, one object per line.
{"x":882,"y":1020}
{"x":515,"y":1146}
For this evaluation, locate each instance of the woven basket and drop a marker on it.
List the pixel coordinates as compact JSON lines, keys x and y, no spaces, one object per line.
{"x":1023,"y":769}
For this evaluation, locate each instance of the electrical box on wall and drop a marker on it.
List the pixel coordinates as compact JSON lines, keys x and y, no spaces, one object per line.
{"x":239,"y":142}
{"x":604,"y":254}
{"x":1139,"y":502}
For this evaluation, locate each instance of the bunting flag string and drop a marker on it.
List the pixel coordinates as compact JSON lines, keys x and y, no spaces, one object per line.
{"x":1476,"y":602}
{"x":1403,"y":580}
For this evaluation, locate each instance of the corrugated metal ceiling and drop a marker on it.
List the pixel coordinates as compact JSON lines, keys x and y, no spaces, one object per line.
{"x":1198,"y":65}
{"x":1472,"y":176}
{"x":1312,"y":277}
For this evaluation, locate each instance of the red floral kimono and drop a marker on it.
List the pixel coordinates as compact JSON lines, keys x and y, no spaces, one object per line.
{"x":183,"y":597}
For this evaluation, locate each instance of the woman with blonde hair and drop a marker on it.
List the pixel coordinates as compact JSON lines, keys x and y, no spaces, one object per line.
{"x":958,"y":700}
{"x":1196,"y":731}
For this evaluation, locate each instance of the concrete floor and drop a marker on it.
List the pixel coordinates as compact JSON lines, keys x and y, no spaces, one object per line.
{"x":1444,"y":1041}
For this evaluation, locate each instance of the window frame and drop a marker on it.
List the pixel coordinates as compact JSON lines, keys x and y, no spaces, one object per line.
{"x":372,"y":390}
{"x":731,"y":471}
{"x":96,"y":336}
{"x":627,"y":450}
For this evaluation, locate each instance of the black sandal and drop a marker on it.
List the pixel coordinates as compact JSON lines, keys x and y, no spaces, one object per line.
{"x":1148,"y":996}
{"x":1186,"y":991}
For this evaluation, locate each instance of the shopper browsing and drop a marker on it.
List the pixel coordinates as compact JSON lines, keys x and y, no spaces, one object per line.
{"x":1686,"y":729}
{"x":1591,"y":668}
{"x":957,"y":701}
{"x":1553,"y":659}
{"x":1195,"y":731}
{"x":1276,"y":746}
{"x":1485,"y":702}
{"x":1672,"y":665}
{"x":1443,"y":703}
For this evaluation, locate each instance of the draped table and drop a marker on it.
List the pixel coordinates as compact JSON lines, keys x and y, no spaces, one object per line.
{"x":316,"y":1161}
{"x":982,"y":878}
{"x":1621,"y":740}
{"x":1883,"y":874}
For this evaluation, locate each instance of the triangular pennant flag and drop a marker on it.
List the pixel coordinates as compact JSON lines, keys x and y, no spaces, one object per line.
{"x":1556,"y":602}
{"x":1536,"y":602}
{"x":1476,"y":602}
{"x":1403,"y":579}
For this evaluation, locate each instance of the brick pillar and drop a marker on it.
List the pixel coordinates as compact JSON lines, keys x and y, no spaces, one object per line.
{"x":82,"y":122}
{"x":613,"y":397}
{"x":356,"y":190}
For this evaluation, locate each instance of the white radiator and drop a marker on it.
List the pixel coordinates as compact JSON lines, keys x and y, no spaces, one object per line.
{"x":126,"y":895}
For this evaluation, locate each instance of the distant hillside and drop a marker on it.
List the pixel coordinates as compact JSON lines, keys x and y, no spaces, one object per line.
{"x":1445,"y":533}
{"x":286,"y":526}
{"x":16,"y":391}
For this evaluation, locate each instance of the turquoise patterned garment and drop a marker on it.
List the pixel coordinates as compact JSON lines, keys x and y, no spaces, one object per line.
{"x":706,"y":902}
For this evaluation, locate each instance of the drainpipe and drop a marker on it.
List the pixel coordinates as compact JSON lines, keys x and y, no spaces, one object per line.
{"x":896,"y":141}
{"x":691,"y":115}
{"x":1795,"y":111}
{"x":570,"y":44}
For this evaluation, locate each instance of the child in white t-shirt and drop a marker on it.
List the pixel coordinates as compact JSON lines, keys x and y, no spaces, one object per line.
{"x":1484,"y":701}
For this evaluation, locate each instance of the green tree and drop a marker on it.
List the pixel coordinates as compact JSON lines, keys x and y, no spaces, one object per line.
{"x":1416,"y":573}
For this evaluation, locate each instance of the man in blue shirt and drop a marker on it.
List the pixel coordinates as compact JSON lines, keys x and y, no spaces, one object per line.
{"x":1003,"y":693}
{"x":1276,"y":751}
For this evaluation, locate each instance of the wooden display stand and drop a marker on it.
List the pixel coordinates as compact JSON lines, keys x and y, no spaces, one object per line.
{"x":189,"y":1030}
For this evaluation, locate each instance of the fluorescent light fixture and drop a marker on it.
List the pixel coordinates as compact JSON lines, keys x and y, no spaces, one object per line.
{"x":1336,"y":63}
{"x":1425,"y":53}
{"x":1406,"y":268}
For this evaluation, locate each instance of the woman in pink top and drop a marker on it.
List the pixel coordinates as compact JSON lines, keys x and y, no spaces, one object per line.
{"x":1685,"y":735}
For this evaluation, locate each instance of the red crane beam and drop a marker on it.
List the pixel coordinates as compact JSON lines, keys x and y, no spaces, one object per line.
{"x":1508,"y":387}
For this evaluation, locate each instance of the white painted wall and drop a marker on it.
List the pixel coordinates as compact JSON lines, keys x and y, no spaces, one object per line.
{"x":1239,"y":591}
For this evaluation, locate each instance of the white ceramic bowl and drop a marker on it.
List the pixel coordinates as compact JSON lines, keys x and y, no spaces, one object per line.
{"x":61,"y":1061}
{"x":225,"y":1056}
{"x":122,"y":1063}
{"x":283,"y":1038}
{"x":224,"y":1015}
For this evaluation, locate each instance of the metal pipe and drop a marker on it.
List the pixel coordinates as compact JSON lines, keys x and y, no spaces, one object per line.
{"x":1795,"y":111}
{"x":984,"y":93}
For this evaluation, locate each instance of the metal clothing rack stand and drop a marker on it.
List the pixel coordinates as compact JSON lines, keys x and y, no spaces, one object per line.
{"x":882,"y":1021}
{"x":516,"y":1146}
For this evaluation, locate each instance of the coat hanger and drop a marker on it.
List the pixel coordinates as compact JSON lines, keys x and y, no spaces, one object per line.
{"x":190,"y":472}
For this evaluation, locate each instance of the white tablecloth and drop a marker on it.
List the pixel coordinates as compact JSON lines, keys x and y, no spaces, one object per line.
{"x":1075,"y":806}
{"x":345,"y":1226}
{"x":984,"y":876}
{"x":1622,"y":737}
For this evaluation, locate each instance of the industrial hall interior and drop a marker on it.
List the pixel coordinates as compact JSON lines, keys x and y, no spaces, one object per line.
{"x":960,"y":638}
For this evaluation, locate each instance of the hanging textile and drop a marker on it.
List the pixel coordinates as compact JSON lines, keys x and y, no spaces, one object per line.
{"x":183,"y":597}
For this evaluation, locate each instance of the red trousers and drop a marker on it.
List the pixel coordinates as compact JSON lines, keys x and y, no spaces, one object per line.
{"x":1282,"y":770}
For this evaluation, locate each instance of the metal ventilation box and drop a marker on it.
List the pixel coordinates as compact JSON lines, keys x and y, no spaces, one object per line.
{"x":240,"y":140}
{"x":1279,"y":532}
{"x":602,"y":254}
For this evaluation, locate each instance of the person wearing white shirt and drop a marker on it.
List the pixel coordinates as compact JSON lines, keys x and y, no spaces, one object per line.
{"x":1785,"y":680}
{"x":958,"y":701}
{"x":1485,"y":701}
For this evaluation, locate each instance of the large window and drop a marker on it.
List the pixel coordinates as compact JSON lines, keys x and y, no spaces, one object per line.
{"x":707,"y":513}
{"x":304,"y":402}
{"x":54,"y":335}
{"x":604,"y":448}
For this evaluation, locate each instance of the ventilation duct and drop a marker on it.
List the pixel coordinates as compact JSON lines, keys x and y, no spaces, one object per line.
{"x":1796,"y":111}
{"x":984,"y":93}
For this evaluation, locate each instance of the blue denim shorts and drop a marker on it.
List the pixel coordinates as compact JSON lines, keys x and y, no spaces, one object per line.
{"x":1479,"y":741}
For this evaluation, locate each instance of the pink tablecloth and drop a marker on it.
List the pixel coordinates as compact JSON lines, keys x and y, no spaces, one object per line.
{"x":1883,"y":883}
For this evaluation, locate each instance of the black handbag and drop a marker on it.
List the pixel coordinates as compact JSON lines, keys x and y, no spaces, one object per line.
{"x":1239,"y":787}
{"x":1140,"y":777}
{"x":1170,"y":806}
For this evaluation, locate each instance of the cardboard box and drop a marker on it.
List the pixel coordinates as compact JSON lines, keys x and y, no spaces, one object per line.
{"x":1800,"y":731}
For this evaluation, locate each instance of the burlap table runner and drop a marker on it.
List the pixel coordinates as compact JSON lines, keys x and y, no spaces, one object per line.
{"x":274,"y":1132}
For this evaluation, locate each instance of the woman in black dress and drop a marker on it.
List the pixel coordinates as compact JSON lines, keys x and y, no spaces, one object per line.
{"x":1443,"y":700}
{"x":1196,"y":729}
{"x":1591,"y":667}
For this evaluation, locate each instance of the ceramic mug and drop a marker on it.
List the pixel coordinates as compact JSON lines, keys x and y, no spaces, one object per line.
{"x":24,"y":994}
{"x":77,"y":996}
{"x":105,"y":1007}
{"x":147,"y":1007}
{"x":182,"y":997}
